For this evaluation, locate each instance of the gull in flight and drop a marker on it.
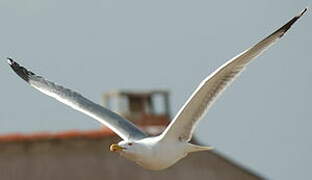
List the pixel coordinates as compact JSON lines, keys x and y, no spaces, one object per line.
{"x":162,"y":151}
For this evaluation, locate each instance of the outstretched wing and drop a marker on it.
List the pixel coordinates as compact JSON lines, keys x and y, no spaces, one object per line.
{"x":183,"y":125}
{"x":124,"y":128}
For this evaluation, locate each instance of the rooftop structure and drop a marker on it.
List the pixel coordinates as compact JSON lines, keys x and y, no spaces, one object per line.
{"x":148,"y":109}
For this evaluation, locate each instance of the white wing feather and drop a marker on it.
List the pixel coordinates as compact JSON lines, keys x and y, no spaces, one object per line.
{"x":124,"y":128}
{"x":183,"y":124}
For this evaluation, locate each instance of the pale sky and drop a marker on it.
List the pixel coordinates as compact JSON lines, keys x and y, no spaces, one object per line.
{"x":262,"y":121}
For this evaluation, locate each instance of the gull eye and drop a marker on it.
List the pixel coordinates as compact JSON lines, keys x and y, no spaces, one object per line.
{"x":130,"y":144}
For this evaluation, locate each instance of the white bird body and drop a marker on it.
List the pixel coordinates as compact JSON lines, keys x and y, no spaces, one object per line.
{"x":159,"y":152}
{"x":152,"y":153}
{"x":152,"y":150}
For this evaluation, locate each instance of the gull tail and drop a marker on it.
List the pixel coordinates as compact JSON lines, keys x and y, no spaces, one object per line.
{"x":196,"y":148}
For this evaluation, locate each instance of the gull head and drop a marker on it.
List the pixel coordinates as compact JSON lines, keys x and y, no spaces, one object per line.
{"x":125,"y":147}
{"x":134,"y":151}
{"x":141,"y":152}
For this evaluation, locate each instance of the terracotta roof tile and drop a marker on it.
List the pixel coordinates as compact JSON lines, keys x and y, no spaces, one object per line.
{"x":92,"y":134}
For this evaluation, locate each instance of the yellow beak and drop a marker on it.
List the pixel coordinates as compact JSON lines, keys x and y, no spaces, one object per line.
{"x":115,"y":148}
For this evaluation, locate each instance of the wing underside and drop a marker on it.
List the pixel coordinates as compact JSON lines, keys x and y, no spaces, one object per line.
{"x":122,"y":127}
{"x":183,"y":124}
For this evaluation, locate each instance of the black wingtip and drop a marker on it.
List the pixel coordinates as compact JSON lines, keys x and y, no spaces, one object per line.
{"x":10,"y":61}
{"x":20,"y":70}
{"x":287,"y":26}
{"x":302,"y":12}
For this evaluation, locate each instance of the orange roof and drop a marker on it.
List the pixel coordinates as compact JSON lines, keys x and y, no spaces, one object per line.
{"x":92,"y":134}
{"x":152,"y":128}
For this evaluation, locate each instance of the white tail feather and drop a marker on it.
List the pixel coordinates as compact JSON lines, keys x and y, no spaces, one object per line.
{"x":196,"y":148}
